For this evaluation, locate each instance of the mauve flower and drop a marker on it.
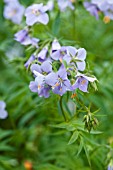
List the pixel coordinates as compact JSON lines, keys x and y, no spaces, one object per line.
{"x":50,"y":5}
{"x":55,"y":45}
{"x":29,"y":61}
{"x":42,"y":54}
{"x":61,"y":54}
{"x":3,"y":112}
{"x":109,"y":12}
{"x":14,"y":11}
{"x":82,"y":82}
{"x":59,"y":81}
{"x":103,"y":5}
{"x":36,"y":14}
{"x":92,"y":8}
{"x":44,"y":68}
{"x":24,"y":38}
{"x":39,"y":86}
{"x":79,"y":55}
{"x":10,"y":1}
{"x":63,"y":4}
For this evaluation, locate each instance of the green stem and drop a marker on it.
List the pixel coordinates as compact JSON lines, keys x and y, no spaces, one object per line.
{"x":61,"y":107}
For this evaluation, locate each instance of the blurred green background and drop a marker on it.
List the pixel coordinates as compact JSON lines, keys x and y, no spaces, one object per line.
{"x":26,"y":135}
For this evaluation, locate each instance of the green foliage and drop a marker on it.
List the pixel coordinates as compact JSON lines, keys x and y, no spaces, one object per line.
{"x":35,"y":129}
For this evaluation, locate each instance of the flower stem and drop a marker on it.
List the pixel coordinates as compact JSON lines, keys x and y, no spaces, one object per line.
{"x":61,"y":107}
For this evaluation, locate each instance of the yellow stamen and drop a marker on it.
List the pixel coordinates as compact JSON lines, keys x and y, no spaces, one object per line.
{"x":57,"y":84}
{"x":39,"y":86}
{"x":83,"y":82}
{"x":12,"y":13}
{"x":36,"y":12}
{"x":60,"y":60}
{"x":73,"y":95}
{"x":106,"y":19}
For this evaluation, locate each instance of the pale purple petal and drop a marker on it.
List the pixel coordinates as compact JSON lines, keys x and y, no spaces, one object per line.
{"x":43,"y":18}
{"x":34,"y":42}
{"x":68,"y":85}
{"x":46,"y":67}
{"x":83,"y":85}
{"x":55,"y":45}
{"x":30,"y":60}
{"x":33,"y":86}
{"x":2,"y":105}
{"x":40,"y":79}
{"x":3,"y":114}
{"x":67,"y":58}
{"x":51,"y":79}
{"x":50,"y":5}
{"x":42,"y":54}
{"x":91,"y":79}
{"x":72,"y":50}
{"x":62,"y":72}
{"x":81,"y":65}
{"x":21,"y":35}
{"x":31,"y":19}
{"x":92,"y":8}
{"x":81,"y":54}
{"x":44,"y":92}
{"x":14,"y":12}
{"x":75,"y":85}
{"x":56,"y":55}
{"x":60,"y":90}
{"x":35,"y":67}
{"x":63,"y":4}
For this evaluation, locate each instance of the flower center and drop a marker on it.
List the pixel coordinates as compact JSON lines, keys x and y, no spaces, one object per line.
{"x":83,"y":82}
{"x":63,"y":52}
{"x":35,"y":12}
{"x":13,"y":12}
{"x":39,"y":87}
{"x":106,"y":19}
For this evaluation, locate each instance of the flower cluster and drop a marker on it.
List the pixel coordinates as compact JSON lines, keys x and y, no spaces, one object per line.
{"x":13,"y":11}
{"x":3,"y":112}
{"x":55,"y":68}
{"x":58,"y":69}
{"x":105,"y":6}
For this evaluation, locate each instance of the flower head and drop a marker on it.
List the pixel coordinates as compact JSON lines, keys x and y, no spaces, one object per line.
{"x":79,"y":55}
{"x":92,"y":8}
{"x":29,"y":61}
{"x":82,"y":82}
{"x":61,"y":54}
{"x":59,"y":81}
{"x":50,"y":5}
{"x":36,"y":14}
{"x":42,"y":54}
{"x":24,"y":38}
{"x":14,"y":11}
